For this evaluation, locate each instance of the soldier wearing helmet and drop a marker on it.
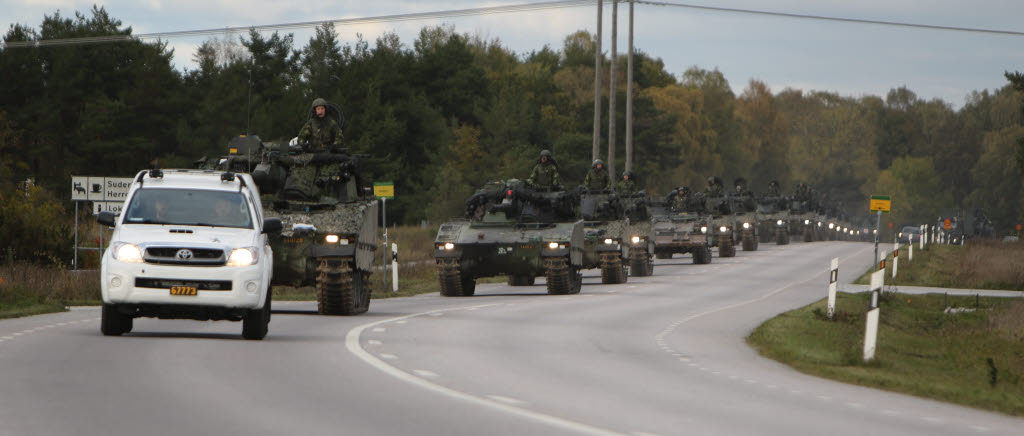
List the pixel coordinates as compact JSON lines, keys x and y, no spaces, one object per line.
{"x":597,"y":179}
{"x":545,"y":174}
{"x":627,"y":186}
{"x":715,"y":188}
{"x":773,"y":188}
{"x":321,"y":131}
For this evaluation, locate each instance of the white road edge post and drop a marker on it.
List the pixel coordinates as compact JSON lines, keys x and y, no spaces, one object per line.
{"x":394,"y":267}
{"x":910,"y":246}
{"x":895,"y":258}
{"x":871,"y":326}
{"x":833,"y":278}
{"x":924,"y":234}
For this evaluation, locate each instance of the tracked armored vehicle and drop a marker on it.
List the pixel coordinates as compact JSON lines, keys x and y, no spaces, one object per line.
{"x":640,"y":231}
{"x":512,"y":230}
{"x":682,"y":225}
{"x":723,"y":231}
{"x":774,"y":220}
{"x":604,"y":229}
{"x":329,"y":219}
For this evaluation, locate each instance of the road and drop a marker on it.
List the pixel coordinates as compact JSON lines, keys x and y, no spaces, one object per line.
{"x":659,"y":355}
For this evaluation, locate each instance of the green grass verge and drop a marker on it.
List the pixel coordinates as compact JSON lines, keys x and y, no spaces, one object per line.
{"x":15,"y":304}
{"x":973,"y":358}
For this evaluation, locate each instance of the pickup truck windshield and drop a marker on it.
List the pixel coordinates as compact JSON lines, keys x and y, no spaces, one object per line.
{"x":189,"y":207}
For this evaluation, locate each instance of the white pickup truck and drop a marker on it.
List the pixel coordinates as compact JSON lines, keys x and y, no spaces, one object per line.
{"x":189,"y":244}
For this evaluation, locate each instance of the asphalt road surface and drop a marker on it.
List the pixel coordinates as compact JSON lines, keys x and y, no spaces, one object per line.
{"x":659,"y":355}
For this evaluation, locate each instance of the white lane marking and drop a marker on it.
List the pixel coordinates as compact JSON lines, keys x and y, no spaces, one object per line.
{"x":751,"y":382}
{"x":795,"y":392}
{"x":437,"y":314}
{"x":980,"y":428}
{"x":507,"y":400}
{"x":770,"y":386}
{"x":18,"y":334}
{"x":641,"y":433}
{"x":733,"y":377}
{"x":380,"y":330}
{"x":425,"y":373}
{"x":373,"y":342}
{"x":402,"y":322}
{"x":62,"y":324}
{"x":855,"y":405}
{"x":931,"y":419}
{"x":388,"y":356}
{"x":8,"y":337}
{"x":354,"y":347}
{"x":888,"y":412}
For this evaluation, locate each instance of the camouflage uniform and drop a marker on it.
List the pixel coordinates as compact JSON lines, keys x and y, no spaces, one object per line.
{"x":714,"y":187}
{"x":597,"y":178}
{"x":322,"y":133}
{"x":627,"y":186}
{"x":773,"y":189}
{"x":544,"y":174}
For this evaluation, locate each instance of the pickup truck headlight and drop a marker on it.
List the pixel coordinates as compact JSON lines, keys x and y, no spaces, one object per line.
{"x":244,"y":256}
{"x":126,"y":252}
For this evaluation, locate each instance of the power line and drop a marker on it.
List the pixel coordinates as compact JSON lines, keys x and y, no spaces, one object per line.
{"x":527,"y":7}
{"x":828,"y":18}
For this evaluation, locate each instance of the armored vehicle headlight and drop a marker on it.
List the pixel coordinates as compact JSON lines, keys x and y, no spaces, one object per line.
{"x":874,"y":232}
{"x":831,"y":225}
{"x":636,"y":239}
{"x":723,"y":229}
{"x":779,"y":222}
{"x":609,"y":241}
{"x":449,"y":246}
{"x":806,"y":222}
{"x":703,"y":229}
{"x":243,"y":256}
{"x":819,"y":223}
{"x":331,"y":239}
{"x":746,"y":225}
{"x":126,"y":252}
{"x":553,"y":245}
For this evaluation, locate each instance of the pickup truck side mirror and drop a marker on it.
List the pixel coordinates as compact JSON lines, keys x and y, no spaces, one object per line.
{"x":106,"y":218}
{"x":272,"y":225}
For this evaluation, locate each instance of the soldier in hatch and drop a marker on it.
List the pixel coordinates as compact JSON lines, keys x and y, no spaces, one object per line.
{"x":773,"y":189}
{"x":321,"y":132}
{"x":597,"y":179}
{"x":627,"y":186}
{"x":715,"y":188}
{"x":545,"y":174}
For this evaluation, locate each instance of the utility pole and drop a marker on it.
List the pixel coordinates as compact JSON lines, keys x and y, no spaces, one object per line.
{"x":611,"y":88}
{"x":629,"y":96}
{"x":597,"y":86}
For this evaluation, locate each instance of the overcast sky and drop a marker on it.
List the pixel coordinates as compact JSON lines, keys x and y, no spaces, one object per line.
{"x":851,"y":59}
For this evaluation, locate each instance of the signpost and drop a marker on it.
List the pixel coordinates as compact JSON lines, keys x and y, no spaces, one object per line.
{"x":385,"y":191}
{"x":107,"y":194}
{"x":879,"y":203}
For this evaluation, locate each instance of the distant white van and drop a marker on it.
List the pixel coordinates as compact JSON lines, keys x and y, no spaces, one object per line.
{"x":189,"y":244}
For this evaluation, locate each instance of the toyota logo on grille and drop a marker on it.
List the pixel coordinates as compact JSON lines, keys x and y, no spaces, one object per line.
{"x":184,"y":254}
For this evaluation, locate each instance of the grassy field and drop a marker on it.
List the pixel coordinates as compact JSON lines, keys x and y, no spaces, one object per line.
{"x":980,"y":264}
{"x":972,"y":358}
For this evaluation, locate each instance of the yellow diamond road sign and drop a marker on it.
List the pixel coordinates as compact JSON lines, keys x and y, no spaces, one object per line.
{"x":880,"y":203}
{"x":384,"y":190}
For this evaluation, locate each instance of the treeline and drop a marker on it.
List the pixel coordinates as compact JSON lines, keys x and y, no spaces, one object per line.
{"x":449,"y":111}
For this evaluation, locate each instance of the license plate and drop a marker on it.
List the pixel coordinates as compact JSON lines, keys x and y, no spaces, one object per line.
{"x":183,"y":290}
{"x":526,"y":247}
{"x":292,"y":240}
